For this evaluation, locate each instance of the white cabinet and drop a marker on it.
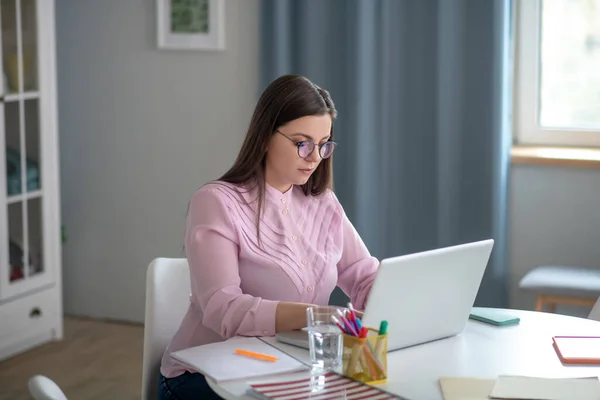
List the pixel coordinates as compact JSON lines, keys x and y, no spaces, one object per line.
{"x":30,"y":233}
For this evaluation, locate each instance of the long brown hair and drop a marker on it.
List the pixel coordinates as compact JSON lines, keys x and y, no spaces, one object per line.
{"x":287,"y":98}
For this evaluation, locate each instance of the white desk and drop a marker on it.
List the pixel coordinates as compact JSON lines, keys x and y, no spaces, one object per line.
{"x":482,"y":350}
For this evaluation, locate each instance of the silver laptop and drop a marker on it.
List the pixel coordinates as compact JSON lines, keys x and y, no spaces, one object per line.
{"x":423,"y":296}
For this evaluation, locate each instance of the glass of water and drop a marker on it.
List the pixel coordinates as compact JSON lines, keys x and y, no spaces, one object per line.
{"x":325,"y":338}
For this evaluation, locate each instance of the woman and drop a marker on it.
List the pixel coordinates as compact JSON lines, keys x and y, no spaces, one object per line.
{"x":269,"y":238}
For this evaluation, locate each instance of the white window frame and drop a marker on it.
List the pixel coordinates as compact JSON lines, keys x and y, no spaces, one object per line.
{"x":527,"y":87}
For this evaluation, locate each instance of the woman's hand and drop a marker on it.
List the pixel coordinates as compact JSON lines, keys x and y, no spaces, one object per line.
{"x":290,"y":316}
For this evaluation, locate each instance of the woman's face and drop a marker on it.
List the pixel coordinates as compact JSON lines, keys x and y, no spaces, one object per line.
{"x":284,"y":167}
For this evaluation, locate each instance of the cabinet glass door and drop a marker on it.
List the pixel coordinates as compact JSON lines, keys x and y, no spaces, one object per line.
{"x":22,"y":147}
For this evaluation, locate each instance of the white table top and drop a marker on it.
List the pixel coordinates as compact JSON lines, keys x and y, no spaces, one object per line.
{"x":481,"y":350}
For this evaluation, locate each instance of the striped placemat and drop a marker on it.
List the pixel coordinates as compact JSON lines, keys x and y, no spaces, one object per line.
{"x":328,"y":386}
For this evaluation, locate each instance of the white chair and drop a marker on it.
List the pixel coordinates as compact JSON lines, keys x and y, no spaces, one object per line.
{"x":595,"y":313}
{"x":167,"y":300}
{"x":556,"y":285}
{"x":44,"y":388}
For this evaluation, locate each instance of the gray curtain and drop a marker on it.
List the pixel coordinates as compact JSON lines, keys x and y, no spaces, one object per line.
{"x":423,"y":93}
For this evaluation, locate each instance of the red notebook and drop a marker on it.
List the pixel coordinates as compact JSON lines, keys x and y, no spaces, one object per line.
{"x":577,"y":349}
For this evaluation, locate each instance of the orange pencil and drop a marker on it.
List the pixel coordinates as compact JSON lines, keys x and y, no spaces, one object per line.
{"x":258,"y":356}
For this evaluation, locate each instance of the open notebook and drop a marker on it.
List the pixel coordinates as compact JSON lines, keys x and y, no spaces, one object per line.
{"x":577,"y":349}
{"x":220,"y":362}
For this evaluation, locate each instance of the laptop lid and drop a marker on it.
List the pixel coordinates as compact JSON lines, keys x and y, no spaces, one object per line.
{"x":429,"y":295}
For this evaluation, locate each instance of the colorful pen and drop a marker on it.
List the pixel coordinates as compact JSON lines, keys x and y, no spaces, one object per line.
{"x":383,"y":327}
{"x":352,"y":315}
{"x":338,"y":323}
{"x":354,"y":319}
{"x":363,"y":333}
{"x":349,"y":326}
{"x":380,"y":342}
{"x":351,"y":310}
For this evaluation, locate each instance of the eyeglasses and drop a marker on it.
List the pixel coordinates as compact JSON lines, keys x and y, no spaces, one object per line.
{"x":306,"y":147}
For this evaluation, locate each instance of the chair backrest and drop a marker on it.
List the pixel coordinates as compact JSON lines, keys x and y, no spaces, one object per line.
{"x":595,"y":313}
{"x":167,"y":301}
{"x":43,"y":388}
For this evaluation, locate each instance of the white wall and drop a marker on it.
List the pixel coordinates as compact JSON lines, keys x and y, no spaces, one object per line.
{"x":140,"y":130}
{"x":554,"y":219}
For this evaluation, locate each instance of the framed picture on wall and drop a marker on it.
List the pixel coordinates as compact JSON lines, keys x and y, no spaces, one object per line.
{"x":190,"y":24}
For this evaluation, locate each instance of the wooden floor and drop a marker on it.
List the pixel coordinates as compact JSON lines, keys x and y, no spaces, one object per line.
{"x":96,"y":360}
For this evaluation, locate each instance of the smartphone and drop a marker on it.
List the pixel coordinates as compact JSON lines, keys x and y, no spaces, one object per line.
{"x":493,"y":317}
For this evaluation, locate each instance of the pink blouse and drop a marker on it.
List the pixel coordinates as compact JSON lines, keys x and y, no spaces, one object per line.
{"x":306,"y":247}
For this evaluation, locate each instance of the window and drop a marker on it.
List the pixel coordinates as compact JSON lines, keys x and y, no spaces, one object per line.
{"x":557,"y":76}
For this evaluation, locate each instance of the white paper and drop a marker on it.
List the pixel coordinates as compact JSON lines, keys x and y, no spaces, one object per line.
{"x":461,"y":388}
{"x":219,"y":361}
{"x":529,"y":388}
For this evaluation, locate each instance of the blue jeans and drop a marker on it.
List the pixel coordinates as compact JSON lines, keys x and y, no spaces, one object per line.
{"x":185,"y":386}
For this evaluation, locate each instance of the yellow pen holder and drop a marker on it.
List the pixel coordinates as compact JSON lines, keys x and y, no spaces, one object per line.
{"x":365,"y":360}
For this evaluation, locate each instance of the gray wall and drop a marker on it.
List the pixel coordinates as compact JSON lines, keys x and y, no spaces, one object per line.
{"x":140,"y":130}
{"x":554,"y":219}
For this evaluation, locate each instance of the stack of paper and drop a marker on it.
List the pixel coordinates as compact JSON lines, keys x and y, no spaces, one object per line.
{"x":220,"y":362}
{"x":521,"y":388}
{"x":455,"y":388}
{"x":526,"y":388}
